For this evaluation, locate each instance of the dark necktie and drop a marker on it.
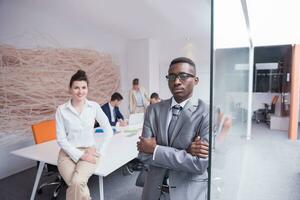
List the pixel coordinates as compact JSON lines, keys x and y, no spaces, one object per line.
{"x":175,"y":113}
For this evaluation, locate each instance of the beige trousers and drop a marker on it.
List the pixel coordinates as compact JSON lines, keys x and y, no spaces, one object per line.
{"x":76,"y":176}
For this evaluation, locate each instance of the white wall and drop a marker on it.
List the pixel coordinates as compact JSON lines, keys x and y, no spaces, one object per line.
{"x":260,"y":98}
{"x":31,"y":24}
{"x":153,"y":67}
{"x":149,"y":60}
{"x":138,"y":62}
{"x":28,"y":24}
{"x":199,"y":52}
{"x":143,"y":63}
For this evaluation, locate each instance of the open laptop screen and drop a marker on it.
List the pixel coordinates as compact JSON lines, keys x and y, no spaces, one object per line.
{"x":137,"y":118}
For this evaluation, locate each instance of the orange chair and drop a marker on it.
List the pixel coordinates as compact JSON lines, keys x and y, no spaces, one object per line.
{"x":43,"y":132}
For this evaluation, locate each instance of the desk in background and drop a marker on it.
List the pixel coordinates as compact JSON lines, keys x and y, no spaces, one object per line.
{"x":279,"y":123}
{"x":121,"y":150}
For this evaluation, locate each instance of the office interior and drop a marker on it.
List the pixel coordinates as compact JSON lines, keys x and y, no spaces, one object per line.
{"x":255,"y":84}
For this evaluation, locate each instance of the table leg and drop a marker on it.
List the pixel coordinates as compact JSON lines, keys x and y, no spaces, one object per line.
{"x":37,"y":179}
{"x":101,"y":195}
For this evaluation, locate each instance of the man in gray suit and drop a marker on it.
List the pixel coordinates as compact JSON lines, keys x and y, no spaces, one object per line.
{"x":174,"y":141}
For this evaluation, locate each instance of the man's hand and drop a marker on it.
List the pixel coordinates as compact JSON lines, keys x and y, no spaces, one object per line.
{"x":122,"y":122}
{"x":199,"y":148}
{"x":90,"y":155}
{"x":146,"y":145}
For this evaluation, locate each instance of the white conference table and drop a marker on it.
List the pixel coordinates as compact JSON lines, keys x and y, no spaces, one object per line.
{"x":121,"y":150}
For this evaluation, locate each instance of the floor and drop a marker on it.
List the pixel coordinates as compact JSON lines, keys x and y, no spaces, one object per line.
{"x":116,"y":187}
{"x":267,"y":167}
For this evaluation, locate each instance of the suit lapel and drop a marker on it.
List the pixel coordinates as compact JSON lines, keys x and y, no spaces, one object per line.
{"x":164,"y":110}
{"x":108,"y":112}
{"x":186,"y":113}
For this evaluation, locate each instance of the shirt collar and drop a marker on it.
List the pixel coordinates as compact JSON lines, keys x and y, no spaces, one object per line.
{"x":182,"y":104}
{"x":110,"y":106}
{"x":87,"y":103}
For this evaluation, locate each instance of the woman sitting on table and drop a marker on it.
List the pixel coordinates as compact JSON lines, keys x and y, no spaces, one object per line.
{"x":79,"y":154}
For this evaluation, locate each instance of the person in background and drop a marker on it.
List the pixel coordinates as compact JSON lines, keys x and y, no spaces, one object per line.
{"x":154,"y":98}
{"x":111,"y":109}
{"x":174,"y":140}
{"x":138,"y":98}
{"x":79,"y":154}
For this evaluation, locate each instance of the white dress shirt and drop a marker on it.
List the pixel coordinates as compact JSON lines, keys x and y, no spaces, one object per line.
{"x":112,"y":113}
{"x":77,"y":130}
{"x":139,"y":98}
{"x":169,"y":117}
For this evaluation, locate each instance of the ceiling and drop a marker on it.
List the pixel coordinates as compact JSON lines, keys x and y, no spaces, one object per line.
{"x":272,"y":22}
{"x":136,"y":19}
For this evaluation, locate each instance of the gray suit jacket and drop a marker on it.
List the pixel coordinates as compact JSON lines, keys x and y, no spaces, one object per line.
{"x":187,"y":173}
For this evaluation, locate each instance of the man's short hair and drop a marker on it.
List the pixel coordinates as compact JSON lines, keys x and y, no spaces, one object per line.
{"x":116,"y":96}
{"x":135,"y":81}
{"x":154,"y":95}
{"x":183,"y":60}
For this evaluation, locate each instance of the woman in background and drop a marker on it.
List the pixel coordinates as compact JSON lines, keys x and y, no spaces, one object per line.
{"x":79,"y":154}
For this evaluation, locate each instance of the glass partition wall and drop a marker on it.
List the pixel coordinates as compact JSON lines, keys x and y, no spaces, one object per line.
{"x":231,"y":77}
{"x":232,"y":84}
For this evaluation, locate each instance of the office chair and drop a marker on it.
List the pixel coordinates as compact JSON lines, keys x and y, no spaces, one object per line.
{"x":42,"y":132}
{"x":263,"y":115}
{"x":132,"y":166}
{"x":270,"y":109}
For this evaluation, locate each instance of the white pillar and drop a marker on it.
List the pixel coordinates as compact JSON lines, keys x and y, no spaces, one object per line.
{"x":250,"y":92}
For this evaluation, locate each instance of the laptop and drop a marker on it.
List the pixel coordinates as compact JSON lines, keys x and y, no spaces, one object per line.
{"x":136,"y":118}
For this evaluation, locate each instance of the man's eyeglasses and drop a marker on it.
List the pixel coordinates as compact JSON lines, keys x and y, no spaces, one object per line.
{"x":181,"y":76}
